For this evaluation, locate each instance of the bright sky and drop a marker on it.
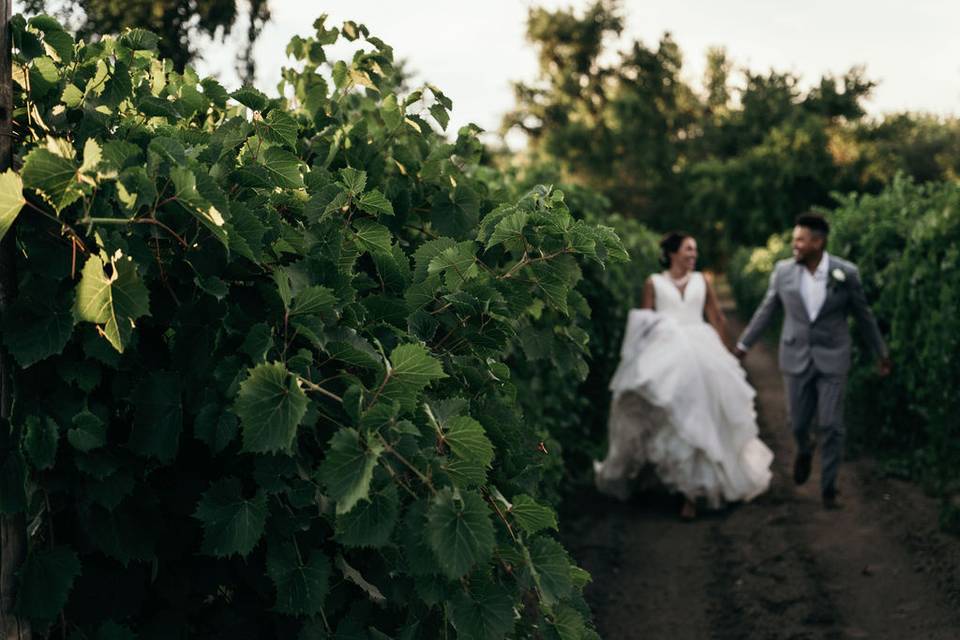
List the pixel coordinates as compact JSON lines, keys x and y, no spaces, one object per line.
{"x":474,"y":50}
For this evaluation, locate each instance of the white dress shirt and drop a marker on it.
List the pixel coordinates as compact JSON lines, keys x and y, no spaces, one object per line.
{"x":813,"y":287}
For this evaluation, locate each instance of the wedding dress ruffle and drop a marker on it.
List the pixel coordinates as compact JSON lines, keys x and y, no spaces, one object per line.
{"x":681,"y":403}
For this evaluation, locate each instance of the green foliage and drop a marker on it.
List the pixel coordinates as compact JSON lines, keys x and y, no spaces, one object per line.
{"x":231,"y":523}
{"x":564,"y":382}
{"x":460,"y":532}
{"x":750,"y":269}
{"x":905,"y":242}
{"x":11,"y":200}
{"x":180,"y":25}
{"x":270,"y":405}
{"x":532,"y":517}
{"x":732,"y":163}
{"x":301,"y":587}
{"x":272,"y":352}
{"x":46,"y":579}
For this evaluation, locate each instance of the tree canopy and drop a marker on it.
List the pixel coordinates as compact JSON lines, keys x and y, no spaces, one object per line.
{"x":733,"y":159}
{"x":176,"y":22}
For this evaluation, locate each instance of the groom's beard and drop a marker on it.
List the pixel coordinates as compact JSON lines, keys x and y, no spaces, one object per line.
{"x":809,"y":259}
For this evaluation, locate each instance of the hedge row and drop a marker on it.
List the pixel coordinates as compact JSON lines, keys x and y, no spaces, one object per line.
{"x":279,"y":357}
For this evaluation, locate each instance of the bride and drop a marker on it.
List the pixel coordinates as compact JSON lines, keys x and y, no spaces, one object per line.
{"x":681,"y":402}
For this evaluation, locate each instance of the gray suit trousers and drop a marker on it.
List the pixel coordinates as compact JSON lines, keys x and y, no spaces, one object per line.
{"x":810,"y":395}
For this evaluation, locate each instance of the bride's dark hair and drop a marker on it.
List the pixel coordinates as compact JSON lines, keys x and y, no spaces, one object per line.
{"x":670,"y":243}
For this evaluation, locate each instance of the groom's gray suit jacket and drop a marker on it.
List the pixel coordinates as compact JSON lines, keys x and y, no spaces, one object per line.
{"x":824,"y":341}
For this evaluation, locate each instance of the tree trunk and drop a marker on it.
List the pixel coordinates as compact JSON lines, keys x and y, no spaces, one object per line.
{"x":13,"y":527}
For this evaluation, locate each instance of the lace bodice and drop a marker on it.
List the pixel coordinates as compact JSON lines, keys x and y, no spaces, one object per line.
{"x":686,"y":307}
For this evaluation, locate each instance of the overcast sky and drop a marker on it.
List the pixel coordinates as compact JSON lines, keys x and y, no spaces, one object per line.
{"x":473,"y":50}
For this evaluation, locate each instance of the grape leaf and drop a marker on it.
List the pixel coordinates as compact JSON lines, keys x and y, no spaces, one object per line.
{"x":372,"y":237}
{"x":375,"y":203}
{"x":231,"y":523}
{"x":440,"y":115}
{"x":465,"y":473}
{"x":468,"y":441}
{"x":510,"y":231}
{"x":391,"y":113}
{"x":11,"y":199}
{"x":250,"y":97}
{"x":301,"y":586}
{"x":245,"y":232}
{"x":140,"y":40}
{"x":282,"y":168}
{"x":88,"y":432}
{"x":533,"y":517}
{"x":371,"y":522}
{"x":44,"y":76}
{"x":40,"y":441}
{"x":34,"y":330}
{"x":412,"y":369}
{"x":53,"y":176}
{"x":485,"y":613}
{"x":551,"y":569}
{"x":353,"y":180}
{"x":569,"y":624}
{"x":313,"y":300}
{"x":158,"y":417}
{"x":459,"y":531}
{"x":555,"y":279}
{"x":270,"y":405}
{"x":46,"y":579}
{"x":215,"y":428}
{"x":113,"y":301}
{"x":165,"y":150}
{"x":456,"y":263}
{"x":348,"y":468}
{"x":456,"y":214}
{"x":279,"y":127}
{"x":185,"y":185}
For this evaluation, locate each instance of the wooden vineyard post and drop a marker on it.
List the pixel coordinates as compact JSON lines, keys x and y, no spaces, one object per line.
{"x":13,"y":527}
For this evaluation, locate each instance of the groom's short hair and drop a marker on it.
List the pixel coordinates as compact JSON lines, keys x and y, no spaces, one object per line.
{"x":815,"y":222}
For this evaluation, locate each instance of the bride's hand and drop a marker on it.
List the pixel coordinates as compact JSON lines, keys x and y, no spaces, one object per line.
{"x":885,"y":367}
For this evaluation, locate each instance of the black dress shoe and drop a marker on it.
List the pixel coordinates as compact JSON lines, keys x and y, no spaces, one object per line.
{"x":801,"y":467}
{"x":830,"y":502}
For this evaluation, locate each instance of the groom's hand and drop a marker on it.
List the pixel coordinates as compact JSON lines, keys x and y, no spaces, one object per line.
{"x":739,"y":353}
{"x":884,"y":367}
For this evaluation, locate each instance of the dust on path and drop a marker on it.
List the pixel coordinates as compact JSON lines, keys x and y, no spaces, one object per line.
{"x":779,"y":568}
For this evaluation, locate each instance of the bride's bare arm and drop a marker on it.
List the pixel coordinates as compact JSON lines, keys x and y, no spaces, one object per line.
{"x":648,"y":295}
{"x":714,"y":315}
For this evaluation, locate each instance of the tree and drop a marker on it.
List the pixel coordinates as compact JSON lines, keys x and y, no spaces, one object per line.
{"x":178,"y":22}
{"x":926,"y":147}
{"x":732,"y":162}
{"x":618,"y":126}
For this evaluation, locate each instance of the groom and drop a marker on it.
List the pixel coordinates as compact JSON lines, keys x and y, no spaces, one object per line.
{"x":817,"y":293}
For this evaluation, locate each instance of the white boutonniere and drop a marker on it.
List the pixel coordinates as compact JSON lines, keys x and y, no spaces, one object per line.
{"x":837,"y":278}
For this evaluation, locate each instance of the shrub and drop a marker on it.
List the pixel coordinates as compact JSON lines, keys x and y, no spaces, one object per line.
{"x":905,"y":241}
{"x":750,"y":269}
{"x":263,"y":342}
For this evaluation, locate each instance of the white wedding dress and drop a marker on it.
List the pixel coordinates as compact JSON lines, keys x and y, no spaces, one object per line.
{"x":681,"y":403}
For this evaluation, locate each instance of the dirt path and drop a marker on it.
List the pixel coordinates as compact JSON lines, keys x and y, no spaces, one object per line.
{"x":780,"y":568}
